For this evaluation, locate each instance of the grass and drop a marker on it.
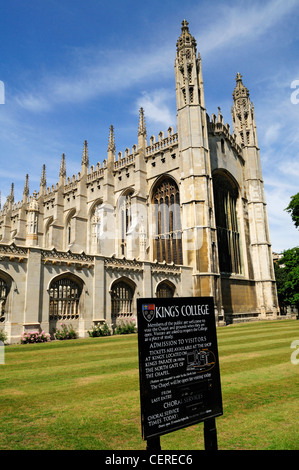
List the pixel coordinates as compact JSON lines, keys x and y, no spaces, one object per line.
{"x":84,"y":394}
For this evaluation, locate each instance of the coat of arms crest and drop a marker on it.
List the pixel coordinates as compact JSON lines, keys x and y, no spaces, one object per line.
{"x":148,"y":311}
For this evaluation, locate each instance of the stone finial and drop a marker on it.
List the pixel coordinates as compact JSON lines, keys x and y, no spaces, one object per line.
{"x":85,"y":159}
{"x":111,"y":141}
{"x":11,"y":197}
{"x":141,"y":128}
{"x":43,"y":180}
{"x":26,"y":187}
{"x":62,"y":172}
{"x":219,"y":117}
{"x":185,"y":26}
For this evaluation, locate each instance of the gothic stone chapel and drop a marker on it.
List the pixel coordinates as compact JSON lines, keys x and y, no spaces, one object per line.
{"x":183,"y":214}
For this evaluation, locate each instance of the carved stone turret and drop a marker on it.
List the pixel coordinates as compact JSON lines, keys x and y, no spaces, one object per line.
{"x":32,"y":221}
{"x":196,"y":186}
{"x":244,"y":126}
{"x":243,"y":115}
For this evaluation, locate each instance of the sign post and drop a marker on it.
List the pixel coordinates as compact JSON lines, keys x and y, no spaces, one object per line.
{"x":178,"y":367}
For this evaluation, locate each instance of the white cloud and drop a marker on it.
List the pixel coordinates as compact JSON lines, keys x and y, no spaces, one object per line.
{"x":290,"y":168}
{"x":246,"y":21}
{"x":283,"y":233}
{"x":33,"y":103}
{"x":100,"y":75}
{"x":280,"y":185}
{"x":272,"y":133}
{"x":93,"y":72}
{"x":157,"y":107}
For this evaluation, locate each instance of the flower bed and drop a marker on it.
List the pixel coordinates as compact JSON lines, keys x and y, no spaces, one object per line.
{"x":125,"y":325}
{"x":65,"y":332}
{"x":35,"y":337}
{"x":100,"y":330}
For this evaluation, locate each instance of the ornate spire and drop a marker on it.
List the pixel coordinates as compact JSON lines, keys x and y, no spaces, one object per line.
{"x":240,"y":91}
{"x":62,"y":172}
{"x":189,"y":84}
{"x":43,"y":181}
{"x":111,"y":142}
{"x":243,"y":118}
{"x":141,"y":128}
{"x":26,"y":187}
{"x":185,"y":39}
{"x":85,"y":159}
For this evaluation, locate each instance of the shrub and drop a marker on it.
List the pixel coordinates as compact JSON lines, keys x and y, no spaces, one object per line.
{"x":100,"y":330}
{"x":65,"y":332}
{"x":3,"y":336}
{"x":125,"y":326}
{"x":35,"y":337}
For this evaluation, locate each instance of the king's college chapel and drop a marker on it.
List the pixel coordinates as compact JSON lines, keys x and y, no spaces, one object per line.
{"x":179,"y":214}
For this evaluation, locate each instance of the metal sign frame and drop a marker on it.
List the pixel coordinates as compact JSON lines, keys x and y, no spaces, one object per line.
{"x":178,"y":364}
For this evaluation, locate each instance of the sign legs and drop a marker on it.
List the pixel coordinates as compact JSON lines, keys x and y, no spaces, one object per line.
{"x":210,"y":434}
{"x":153,"y":444}
{"x":210,"y":437}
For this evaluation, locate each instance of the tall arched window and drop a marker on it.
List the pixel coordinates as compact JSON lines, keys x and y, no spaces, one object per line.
{"x":225,"y":200}
{"x":121,"y":299}
{"x":125,"y":218}
{"x":96,"y":228}
{"x":167,"y":212}
{"x":70,"y":228}
{"x":4,"y":289}
{"x":65,"y":295}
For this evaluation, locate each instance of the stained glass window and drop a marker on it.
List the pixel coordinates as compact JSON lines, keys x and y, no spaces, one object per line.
{"x":167,"y":212}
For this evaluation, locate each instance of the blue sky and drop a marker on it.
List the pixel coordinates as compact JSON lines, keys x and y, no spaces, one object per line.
{"x":71,"y":68}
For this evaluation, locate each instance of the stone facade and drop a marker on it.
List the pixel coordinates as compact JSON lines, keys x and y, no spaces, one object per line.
{"x":181,"y":215}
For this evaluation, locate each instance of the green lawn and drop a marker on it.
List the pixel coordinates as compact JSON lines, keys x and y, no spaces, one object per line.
{"x":84,"y":394}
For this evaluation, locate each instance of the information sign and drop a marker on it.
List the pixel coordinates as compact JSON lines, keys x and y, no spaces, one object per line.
{"x":178,"y":363}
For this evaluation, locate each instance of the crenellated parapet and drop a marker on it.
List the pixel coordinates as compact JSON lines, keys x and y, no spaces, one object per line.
{"x":216,"y":126}
{"x":16,"y":206}
{"x":96,"y":173}
{"x":128,"y":159}
{"x":163,"y":143}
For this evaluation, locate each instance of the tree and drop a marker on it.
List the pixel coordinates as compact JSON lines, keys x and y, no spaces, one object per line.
{"x":287,"y":277}
{"x":287,"y":267}
{"x":293,"y":209}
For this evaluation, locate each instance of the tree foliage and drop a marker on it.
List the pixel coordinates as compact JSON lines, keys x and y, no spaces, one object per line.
{"x":287,"y":277}
{"x":293,"y":209}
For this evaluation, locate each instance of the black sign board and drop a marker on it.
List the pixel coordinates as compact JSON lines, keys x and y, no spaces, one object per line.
{"x":178,"y":363}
